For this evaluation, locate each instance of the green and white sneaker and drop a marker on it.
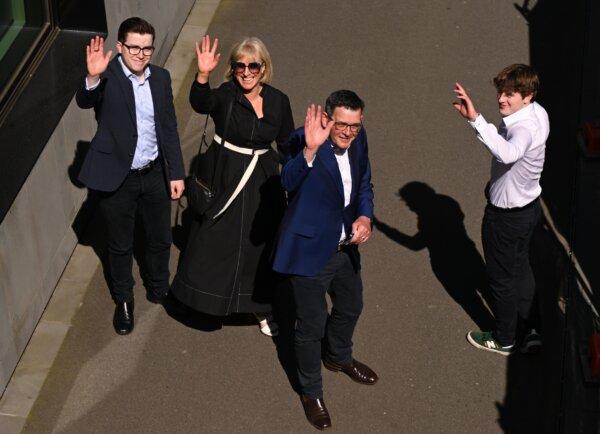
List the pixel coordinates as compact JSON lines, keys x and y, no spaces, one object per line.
{"x":485,"y":341}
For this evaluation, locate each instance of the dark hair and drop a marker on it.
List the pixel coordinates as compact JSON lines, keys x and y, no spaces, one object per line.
{"x":135,"y":25}
{"x":518,"y":78}
{"x":343,"y":98}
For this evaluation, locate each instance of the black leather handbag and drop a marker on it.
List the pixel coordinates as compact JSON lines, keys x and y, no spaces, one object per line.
{"x":200,"y":194}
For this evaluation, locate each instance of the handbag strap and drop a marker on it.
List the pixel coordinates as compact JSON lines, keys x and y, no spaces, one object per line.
{"x":202,"y":142}
{"x":218,"y":153}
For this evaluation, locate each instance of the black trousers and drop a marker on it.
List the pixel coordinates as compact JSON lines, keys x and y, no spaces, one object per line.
{"x":506,"y":235}
{"x":147,"y":192}
{"x":313,"y":323}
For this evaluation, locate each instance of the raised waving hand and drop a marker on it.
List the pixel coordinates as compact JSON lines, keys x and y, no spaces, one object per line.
{"x":96,"y":59}
{"x":207,"y":56}
{"x":464,"y":105}
{"x":315,"y":131}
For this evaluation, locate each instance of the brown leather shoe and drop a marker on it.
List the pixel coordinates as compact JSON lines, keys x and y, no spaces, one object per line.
{"x":316,"y":412}
{"x":359,"y":372}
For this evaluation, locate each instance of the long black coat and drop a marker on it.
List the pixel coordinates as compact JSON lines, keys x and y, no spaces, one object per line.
{"x":226,"y":265}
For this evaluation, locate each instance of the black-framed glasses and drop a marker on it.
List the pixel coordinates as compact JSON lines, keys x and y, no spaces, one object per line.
{"x":253,"y":67}
{"x":341,"y":126}
{"x":134,"y":50}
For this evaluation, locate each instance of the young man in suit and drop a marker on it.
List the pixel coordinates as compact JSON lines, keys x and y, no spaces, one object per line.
{"x":327,"y":176}
{"x":134,"y":161}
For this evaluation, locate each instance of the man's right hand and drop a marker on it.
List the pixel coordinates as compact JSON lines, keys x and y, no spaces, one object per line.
{"x":464,"y":105}
{"x":207,"y":57}
{"x":315,"y":133}
{"x":97,"y":60}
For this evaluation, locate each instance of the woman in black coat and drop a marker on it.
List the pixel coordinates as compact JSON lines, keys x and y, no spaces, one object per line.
{"x":226,"y":265}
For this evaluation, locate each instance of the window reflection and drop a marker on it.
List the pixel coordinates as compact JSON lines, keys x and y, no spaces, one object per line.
{"x":21,"y":24}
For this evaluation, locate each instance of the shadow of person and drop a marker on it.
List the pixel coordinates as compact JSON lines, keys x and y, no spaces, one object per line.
{"x":184,"y":216}
{"x":455,"y":261}
{"x":202,"y":321}
{"x":533,"y":396}
{"x":284,"y":311}
{"x":88,"y":225}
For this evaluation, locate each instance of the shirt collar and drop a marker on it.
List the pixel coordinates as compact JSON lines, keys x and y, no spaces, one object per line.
{"x":517,"y":116}
{"x":130,"y":74}
{"x":336,"y":150}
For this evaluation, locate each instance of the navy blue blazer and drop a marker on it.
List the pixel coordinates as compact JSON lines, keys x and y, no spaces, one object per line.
{"x":312,"y":225}
{"x":109,"y":158}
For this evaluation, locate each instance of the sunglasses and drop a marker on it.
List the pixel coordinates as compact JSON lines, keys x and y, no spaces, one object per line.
{"x":253,"y":67}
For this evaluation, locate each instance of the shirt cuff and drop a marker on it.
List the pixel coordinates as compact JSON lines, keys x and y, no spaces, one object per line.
{"x":478,"y":122}
{"x":87,"y":87}
{"x":312,"y":160}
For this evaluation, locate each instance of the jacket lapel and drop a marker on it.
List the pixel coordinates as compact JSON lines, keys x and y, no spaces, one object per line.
{"x":126,"y":87}
{"x":330,"y":163}
{"x":156,"y":92}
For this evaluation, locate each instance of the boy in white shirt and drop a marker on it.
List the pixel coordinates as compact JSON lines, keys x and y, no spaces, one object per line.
{"x":518,"y":148}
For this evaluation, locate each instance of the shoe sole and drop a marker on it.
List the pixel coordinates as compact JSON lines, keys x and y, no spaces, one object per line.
{"x":532,"y":349}
{"x":320,"y":428}
{"x":481,"y":347}
{"x":123,"y":332}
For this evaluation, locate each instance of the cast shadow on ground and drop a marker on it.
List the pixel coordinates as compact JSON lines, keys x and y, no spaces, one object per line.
{"x":547,"y":393}
{"x":454,"y":259}
{"x":283,"y":302}
{"x":533,"y":382}
{"x":90,"y":227}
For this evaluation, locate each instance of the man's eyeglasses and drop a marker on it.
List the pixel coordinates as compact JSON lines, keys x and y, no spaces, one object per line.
{"x":341,"y":126}
{"x":253,"y":67}
{"x":134,"y":50}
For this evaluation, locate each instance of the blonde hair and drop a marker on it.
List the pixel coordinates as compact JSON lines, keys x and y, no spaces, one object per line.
{"x":251,"y":46}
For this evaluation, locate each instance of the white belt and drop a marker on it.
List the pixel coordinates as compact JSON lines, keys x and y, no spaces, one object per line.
{"x":246,"y":176}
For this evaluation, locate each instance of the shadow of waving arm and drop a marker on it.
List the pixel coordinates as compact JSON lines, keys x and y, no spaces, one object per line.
{"x":414,"y":242}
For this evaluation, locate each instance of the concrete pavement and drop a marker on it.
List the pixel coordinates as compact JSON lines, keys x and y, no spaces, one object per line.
{"x":402,"y":58}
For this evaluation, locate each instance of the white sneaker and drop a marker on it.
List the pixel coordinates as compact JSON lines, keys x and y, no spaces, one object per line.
{"x":267,"y":325}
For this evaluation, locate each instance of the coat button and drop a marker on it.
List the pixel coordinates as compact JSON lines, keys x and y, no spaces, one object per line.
{"x":131,"y":154}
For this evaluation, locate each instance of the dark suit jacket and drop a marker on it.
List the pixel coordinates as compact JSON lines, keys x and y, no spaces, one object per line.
{"x":312,"y":225}
{"x":109,"y":158}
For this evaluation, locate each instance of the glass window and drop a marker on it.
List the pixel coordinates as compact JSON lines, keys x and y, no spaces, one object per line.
{"x":22,"y":23}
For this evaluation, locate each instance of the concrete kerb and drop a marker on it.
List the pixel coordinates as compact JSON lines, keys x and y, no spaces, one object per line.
{"x":46,"y":341}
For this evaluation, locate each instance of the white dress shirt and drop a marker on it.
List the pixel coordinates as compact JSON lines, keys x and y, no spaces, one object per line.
{"x":518,"y":148}
{"x":341,"y":155}
{"x":146,"y":149}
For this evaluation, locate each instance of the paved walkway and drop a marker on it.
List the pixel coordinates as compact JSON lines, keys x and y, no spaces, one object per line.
{"x":175,"y":376}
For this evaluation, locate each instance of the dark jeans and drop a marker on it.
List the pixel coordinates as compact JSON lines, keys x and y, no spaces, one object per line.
{"x":313,"y":323}
{"x":506,"y":236}
{"x":148,"y":192}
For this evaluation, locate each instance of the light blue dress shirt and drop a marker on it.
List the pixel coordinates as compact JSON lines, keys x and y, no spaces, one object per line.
{"x":146,"y":149}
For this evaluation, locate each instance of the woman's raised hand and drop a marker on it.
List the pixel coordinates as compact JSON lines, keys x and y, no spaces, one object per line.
{"x":208,"y":58}
{"x":97,"y":60}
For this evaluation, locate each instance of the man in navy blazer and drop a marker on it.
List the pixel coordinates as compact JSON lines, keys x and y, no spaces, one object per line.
{"x":327,"y":176}
{"x":134,"y":161}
